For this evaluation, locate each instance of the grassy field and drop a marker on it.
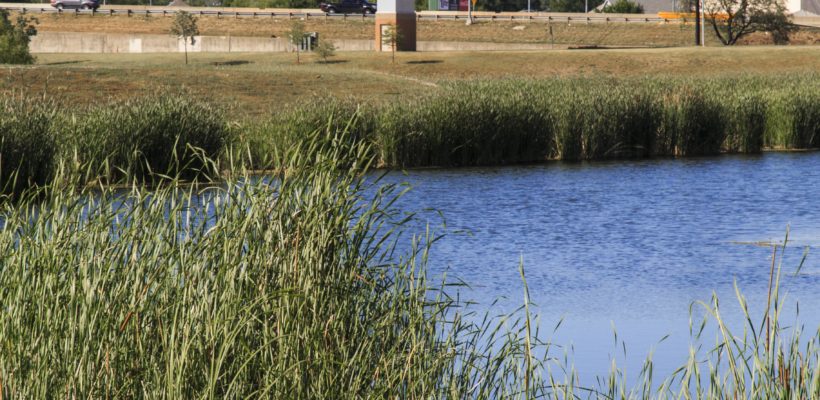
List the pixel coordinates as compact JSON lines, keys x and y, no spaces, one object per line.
{"x":577,"y":33}
{"x":258,"y":84}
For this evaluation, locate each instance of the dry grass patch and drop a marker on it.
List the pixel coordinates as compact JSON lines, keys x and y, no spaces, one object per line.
{"x":255,"y":84}
{"x":560,"y":33}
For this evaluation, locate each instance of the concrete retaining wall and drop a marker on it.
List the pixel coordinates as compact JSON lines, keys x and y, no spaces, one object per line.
{"x":74,"y":42}
{"x":480,"y":46}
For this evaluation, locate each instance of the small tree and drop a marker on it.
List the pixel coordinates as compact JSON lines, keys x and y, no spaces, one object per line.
{"x":733,"y":19}
{"x":14,"y":39}
{"x":184,"y":26}
{"x":296,"y":34}
{"x":623,"y":7}
{"x":391,"y":36}
{"x":325,"y":49}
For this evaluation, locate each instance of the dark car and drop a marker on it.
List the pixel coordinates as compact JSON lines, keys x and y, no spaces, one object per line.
{"x":349,"y":7}
{"x":81,"y":4}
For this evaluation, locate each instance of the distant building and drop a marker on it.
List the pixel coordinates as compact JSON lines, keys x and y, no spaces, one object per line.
{"x":804,"y":8}
{"x":650,"y":6}
{"x":655,"y":6}
{"x":797,"y":7}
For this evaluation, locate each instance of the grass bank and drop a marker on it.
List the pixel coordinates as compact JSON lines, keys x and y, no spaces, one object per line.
{"x":256,"y":85}
{"x":296,"y":289}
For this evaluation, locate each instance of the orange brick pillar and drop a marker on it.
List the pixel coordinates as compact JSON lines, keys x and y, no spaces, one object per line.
{"x":402,"y":14}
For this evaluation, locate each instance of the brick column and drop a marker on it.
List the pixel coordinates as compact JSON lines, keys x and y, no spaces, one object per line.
{"x":402,"y":14}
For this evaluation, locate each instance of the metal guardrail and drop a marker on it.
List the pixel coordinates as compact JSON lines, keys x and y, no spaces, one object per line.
{"x":422,"y":15}
{"x":307,"y":14}
{"x":171,"y":11}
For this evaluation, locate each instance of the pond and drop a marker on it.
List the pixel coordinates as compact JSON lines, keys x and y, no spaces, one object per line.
{"x":627,"y":244}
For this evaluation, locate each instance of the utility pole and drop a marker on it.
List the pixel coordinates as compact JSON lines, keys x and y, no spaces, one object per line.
{"x":697,"y":23}
{"x":702,"y":23}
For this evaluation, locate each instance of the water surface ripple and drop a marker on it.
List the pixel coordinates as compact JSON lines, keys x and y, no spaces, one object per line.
{"x":629,"y":243}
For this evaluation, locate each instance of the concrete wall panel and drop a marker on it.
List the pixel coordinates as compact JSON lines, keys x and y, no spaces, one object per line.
{"x":73,"y":42}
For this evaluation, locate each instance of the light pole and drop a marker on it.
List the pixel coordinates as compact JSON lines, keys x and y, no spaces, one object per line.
{"x":697,"y":23}
{"x":702,"y":24}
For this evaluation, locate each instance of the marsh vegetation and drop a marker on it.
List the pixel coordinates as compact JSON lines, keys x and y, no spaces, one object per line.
{"x":294,"y":285}
{"x":460,"y":123}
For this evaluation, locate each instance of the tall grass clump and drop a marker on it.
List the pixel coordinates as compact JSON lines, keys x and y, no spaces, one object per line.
{"x":27,"y":143}
{"x":568,"y":123}
{"x":473,"y":123}
{"x":246,"y":290}
{"x":147,"y":137}
{"x":745,"y":123}
{"x":619,"y":123}
{"x":289,"y":287}
{"x":801,"y":120}
{"x":262,"y":142}
{"x":693,"y":125}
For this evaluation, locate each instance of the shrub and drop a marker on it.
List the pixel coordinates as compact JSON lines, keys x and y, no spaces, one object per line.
{"x":325,"y":49}
{"x":14,"y":39}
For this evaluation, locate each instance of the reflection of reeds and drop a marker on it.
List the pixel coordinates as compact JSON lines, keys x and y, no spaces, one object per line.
{"x":295,"y":288}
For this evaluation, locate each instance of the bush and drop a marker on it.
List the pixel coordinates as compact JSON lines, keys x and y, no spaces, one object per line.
{"x":325,"y":49}
{"x":14,"y":39}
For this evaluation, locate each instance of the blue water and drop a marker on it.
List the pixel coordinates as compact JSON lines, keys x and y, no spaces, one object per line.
{"x":629,"y":244}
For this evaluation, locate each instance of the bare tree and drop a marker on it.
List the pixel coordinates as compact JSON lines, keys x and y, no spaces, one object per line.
{"x":296,"y":35}
{"x":184,"y":26}
{"x":733,"y":19}
{"x":391,"y":36}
